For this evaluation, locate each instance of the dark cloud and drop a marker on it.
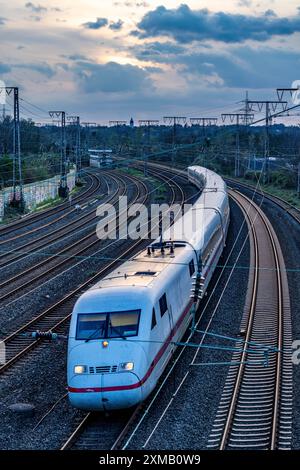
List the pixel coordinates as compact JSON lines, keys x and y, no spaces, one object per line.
{"x":270,"y":13}
{"x":186,"y":25}
{"x":245,"y":3}
{"x":36,"y":18}
{"x":43,"y":68}
{"x":237,"y":66}
{"x":153,"y":69}
{"x":76,"y":57}
{"x":117,"y":25}
{"x":2,"y":20}
{"x":156,"y":51}
{"x":99,"y":23}
{"x":36,"y":8}
{"x":244,"y":67}
{"x":111,"y":77}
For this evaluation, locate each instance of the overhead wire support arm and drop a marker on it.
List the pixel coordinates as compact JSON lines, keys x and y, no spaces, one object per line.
{"x":294,"y":92}
{"x":203,"y":121}
{"x":147,"y":123}
{"x":282,"y":91}
{"x":63,"y":190}
{"x":75,"y":120}
{"x":266,"y":105}
{"x":17,"y":199}
{"x":237,"y":119}
{"x":174,"y":121}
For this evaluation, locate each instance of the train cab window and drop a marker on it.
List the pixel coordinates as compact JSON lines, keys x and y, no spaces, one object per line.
{"x":192,"y":267}
{"x":123,"y":324}
{"x":91,"y":326}
{"x":107,"y":325}
{"x":154,"y":322}
{"x":163,"y":305}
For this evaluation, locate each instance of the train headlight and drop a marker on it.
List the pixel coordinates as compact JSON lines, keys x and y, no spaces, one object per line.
{"x":80,"y":369}
{"x":126,"y":366}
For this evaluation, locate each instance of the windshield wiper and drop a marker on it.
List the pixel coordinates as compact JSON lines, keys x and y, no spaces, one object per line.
{"x":100,"y":329}
{"x":117,"y":330}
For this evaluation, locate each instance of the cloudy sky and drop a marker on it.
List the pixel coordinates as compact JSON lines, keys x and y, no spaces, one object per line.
{"x":106,"y":59}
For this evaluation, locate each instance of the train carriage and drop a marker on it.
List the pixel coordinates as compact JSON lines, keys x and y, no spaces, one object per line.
{"x":123,"y":329}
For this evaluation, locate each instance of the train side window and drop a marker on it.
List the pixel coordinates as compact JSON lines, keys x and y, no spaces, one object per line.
{"x":163,"y":305}
{"x":154,"y":322}
{"x":192,"y":267}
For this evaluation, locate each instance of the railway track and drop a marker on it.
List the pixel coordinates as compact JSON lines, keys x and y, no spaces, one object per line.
{"x":95,"y":430}
{"x":56,"y":317}
{"x":65,"y":257}
{"x":100,"y":431}
{"x":287,"y":207}
{"x":10,"y":256}
{"x":255,"y":410}
{"x":61,"y":211}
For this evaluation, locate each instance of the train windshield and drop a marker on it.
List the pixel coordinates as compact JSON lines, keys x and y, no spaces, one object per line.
{"x":108,"y":325}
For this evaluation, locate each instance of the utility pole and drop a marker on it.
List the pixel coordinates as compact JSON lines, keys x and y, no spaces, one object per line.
{"x":75,"y":120}
{"x":280,"y":94}
{"x":237,"y":119}
{"x":282,"y":91}
{"x":118,"y":125}
{"x":88,"y":126}
{"x":17,"y":198}
{"x":174,"y":121}
{"x":63,"y":189}
{"x":269,"y":106}
{"x":147,"y":123}
{"x":204,"y":122}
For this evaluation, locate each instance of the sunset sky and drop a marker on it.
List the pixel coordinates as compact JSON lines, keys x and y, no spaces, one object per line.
{"x":107,"y":59}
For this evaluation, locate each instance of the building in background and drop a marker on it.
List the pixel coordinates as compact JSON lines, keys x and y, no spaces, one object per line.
{"x":102,"y":158}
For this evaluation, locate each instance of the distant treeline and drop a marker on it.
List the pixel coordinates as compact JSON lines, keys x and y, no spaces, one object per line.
{"x":215,"y":146}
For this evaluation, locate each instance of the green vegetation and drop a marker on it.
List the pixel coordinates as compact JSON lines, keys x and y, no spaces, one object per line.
{"x":51,"y":202}
{"x":214,"y":147}
{"x":48,"y":203}
{"x":132,"y":172}
{"x":288,"y":195}
{"x":159,"y":188}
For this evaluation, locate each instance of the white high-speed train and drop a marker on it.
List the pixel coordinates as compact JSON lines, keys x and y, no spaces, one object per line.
{"x":123,"y":329}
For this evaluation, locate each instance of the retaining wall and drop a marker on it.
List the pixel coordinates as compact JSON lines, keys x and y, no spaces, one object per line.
{"x":35,"y":193}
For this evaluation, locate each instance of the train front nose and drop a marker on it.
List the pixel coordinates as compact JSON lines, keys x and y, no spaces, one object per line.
{"x":106,"y":391}
{"x":111,"y":380}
